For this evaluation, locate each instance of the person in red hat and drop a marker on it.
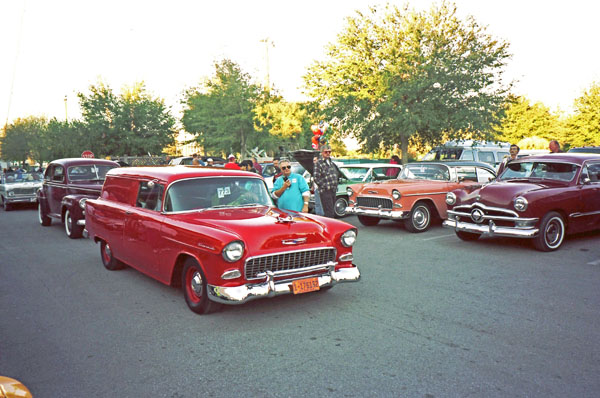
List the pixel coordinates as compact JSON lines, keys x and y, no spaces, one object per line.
{"x":232,"y":164}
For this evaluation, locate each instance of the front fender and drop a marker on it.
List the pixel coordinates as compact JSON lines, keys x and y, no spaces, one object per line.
{"x":71,"y":202}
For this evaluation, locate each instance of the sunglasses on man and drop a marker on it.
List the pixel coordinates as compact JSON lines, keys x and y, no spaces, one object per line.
{"x":286,"y":167}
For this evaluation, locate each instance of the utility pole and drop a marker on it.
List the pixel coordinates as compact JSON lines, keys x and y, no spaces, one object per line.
{"x":66,"y":115}
{"x":268,"y":42}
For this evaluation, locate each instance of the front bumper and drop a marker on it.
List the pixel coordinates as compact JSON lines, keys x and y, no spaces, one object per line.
{"x":271,"y":287}
{"x":379,"y":213}
{"x":20,"y":199}
{"x":491,"y":228}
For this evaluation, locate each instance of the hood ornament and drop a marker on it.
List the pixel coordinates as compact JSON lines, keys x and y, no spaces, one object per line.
{"x":296,"y":241}
{"x":285,"y":219}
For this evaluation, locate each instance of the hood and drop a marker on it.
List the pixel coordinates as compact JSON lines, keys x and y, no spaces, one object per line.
{"x":23,"y":185}
{"x":305,"y":158}
{"x":502,"y":193}
{"x":265,"y":228}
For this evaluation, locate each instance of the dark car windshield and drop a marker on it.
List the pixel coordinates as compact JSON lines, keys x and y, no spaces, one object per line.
{"x":19,"y":177}
{"x":215,"y":192}
{"x":88,"y":172}
{"x":425,"y":172}
{"x":544,"y":170}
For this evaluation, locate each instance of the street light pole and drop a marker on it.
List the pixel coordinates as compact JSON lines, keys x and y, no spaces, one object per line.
{"x":268,"y":42}
{"x":66,"y":115}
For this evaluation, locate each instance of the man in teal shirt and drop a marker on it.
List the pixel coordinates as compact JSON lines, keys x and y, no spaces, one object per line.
{"x":291,"y":190}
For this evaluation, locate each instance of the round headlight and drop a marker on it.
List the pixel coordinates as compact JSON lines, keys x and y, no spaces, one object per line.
{"x":233,"y":251}
{"x":11,"y":193}
{"x":348,"y":238}
{"x":450,"y":198}
{"x":82,"y":203}
{"x":396,"y":194}
{"x":521,"y":204}
{"x":349,"y":191}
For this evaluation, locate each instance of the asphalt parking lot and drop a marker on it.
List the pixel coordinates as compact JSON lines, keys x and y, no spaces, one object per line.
{"x":433,"y":316}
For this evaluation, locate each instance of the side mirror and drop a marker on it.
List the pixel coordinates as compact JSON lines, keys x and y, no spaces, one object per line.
{"x":586,"y":181}
{"x":461,"y":179}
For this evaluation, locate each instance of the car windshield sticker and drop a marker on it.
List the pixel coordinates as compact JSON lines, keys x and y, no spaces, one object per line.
{"x":222,"y":192}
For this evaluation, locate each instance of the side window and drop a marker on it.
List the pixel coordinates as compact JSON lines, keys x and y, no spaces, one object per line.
{"x":58,"y":174}
{"x":467,"y":155}
{"x":487,"y":157}
{"x":484,"y":175}
{"x":149,"y":196}
{"x":594,"y":172}
{"x":466,"y":173}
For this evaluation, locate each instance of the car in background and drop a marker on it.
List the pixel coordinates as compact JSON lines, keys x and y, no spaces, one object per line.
{"x":418,"y":195}
{"x":187,"y":160}
{"x":542,"y":198}
{"x":217,"y":233}
{"x":585,"y":149}
{"x":68,"y":183}
{"x":491,"y":152}
{"x":19,"y":187}
{"x":354,"y":174}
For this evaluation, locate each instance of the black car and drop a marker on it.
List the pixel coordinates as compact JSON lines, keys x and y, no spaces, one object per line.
{"x":586,"y":149}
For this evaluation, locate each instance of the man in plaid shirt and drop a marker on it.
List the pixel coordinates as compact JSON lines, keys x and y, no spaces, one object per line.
{"x":326,"y":178}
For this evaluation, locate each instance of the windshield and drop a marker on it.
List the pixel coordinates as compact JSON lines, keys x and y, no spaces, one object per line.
{"x":443,"y":154}
{"x":88,"y":172}
{"x":425,"y":172}
{"x":217,"y":192}
{"x":544,"y":170}
{"x":355,"y":173}
{"x":20,"y":177}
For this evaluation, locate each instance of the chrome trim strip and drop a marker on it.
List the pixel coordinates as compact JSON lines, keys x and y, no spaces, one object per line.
{"x":381,"y":213}
{"x":346,"y":257}
{"x":488,"y":217}
{"x":591,"y":213}
{"x":270,"y":287}
{"x":491,"y":229}
{"x":74,"y":187}
{"x":425,"y":193}
{"x":488,"y":208}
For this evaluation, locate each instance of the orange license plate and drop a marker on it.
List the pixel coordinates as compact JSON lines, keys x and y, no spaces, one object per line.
{"x":305,"y":285}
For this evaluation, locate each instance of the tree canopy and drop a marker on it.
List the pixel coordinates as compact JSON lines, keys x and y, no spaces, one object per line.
{"x":221,"y":111}
{"x":399,"y":76}
{"x":584,"y":125}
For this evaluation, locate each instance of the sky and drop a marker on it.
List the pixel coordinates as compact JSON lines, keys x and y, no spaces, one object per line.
{"x":51,"y":50}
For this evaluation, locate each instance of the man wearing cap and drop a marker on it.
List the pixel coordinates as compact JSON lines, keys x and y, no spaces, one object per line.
{"x":210,"y":162}
{"x":326,"y":178}
{"x":232,"y":164}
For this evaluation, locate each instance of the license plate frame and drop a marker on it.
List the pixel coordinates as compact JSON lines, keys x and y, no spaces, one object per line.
{"x":305,"y":285}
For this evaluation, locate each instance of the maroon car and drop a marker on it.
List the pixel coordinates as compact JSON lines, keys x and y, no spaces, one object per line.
{"x":542,"y":198}
{"x":216,"y":233}
{"x":68,"y":183}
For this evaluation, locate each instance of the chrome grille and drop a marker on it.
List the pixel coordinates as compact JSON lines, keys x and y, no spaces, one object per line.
{"x":366,"y":201}
{"x":24,"y":191}
{"x":295,"y":260}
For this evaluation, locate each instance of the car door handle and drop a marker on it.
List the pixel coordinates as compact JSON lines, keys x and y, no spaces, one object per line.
{"x":127,"y":212}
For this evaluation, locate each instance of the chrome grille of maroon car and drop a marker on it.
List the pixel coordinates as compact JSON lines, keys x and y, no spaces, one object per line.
{"x":367,"y":201}
{"x":295,"y":260}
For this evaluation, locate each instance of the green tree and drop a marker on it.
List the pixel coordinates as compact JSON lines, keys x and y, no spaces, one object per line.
{"x":402,"y":76}
{"x":584,"y":125}
{"x":133,"y":123}
{"x":280,"y":124}
{"x":221,"y":111}
{"x":17,"y":141}
{"x":522,"y":120}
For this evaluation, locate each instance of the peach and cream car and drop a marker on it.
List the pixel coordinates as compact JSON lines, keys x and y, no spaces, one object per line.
{"x":418,"y":195}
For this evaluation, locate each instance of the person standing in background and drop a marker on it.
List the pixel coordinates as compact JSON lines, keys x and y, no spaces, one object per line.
{"x":291,"y":190}
{"x":326,"y":178}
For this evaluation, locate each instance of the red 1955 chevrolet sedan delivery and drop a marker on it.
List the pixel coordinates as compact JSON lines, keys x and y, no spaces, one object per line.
{"x":216,"y":233}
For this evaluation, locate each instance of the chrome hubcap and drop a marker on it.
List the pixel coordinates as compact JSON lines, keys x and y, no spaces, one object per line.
{"x":420,"y":218}
{"x":196,"y":284}
{"x":107,"y":252}
{"x":553,"y":233}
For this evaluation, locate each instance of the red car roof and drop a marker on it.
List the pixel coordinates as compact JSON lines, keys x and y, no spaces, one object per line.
{"x":169,"y":174}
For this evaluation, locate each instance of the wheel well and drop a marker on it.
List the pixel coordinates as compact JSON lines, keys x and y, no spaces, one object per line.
{"x":563,"y":215}
{"x":434,"y":211}
{"x":178,"y":269}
